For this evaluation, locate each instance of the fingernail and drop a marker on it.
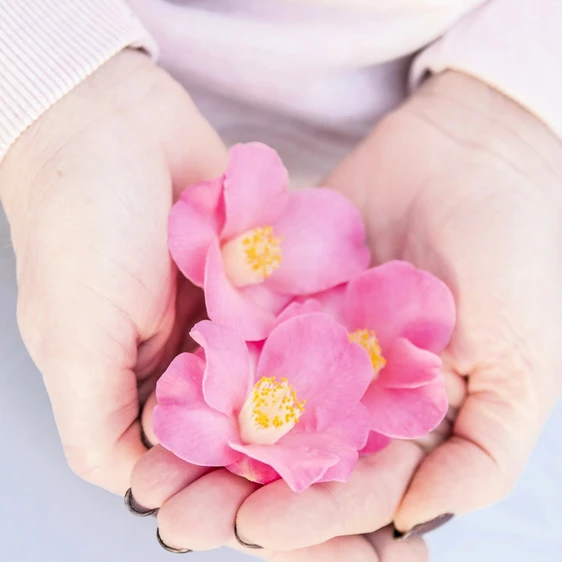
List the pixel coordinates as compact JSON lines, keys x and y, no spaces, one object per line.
{"x":145,"y":441}
{"x":170,"y":548}
{"x":424,"y":528}
{"x":244,"y":543}
{"x":135,"y":508}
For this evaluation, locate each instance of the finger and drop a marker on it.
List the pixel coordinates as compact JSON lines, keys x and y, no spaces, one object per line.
{"x":365,"y":503}
{"x":391,"y":550}
{"x":94,"y":398}
{"x":375,"y":547}
{"x":436,"y":438}
{"x":455,"y":385}
{"x":202,"y":515}
{"x":146,"y":419}
{"x":159,"y":475}
{"x":355,"y":548}
{"x":478,"y":466}
{"x":193,"y":148}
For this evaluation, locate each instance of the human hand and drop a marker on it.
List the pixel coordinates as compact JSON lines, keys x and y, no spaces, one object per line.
{"x":464,"y":183}
{"x":87,"y":191}
{"x":200,"y":506}
{"x":468,"y":185}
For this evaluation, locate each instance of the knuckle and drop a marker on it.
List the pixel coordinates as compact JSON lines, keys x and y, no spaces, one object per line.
{"x":88,"y":464}
{"x":151,"y":482}
{"x":504,"y":486}
{"x":170,"y":522}
{"x":29,"y":324}
{"x":184,"y":526}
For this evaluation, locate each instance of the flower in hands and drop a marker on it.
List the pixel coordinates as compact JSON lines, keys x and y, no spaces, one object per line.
{"x":291,"y":410}
{"x":253,"y":245}
{"x":402,"y":317}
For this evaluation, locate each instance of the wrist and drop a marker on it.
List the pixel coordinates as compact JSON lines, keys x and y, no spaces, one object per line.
{"x":115,"y":86}
{"x":474,"y":114}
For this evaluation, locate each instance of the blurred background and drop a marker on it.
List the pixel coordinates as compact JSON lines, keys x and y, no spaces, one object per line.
{"x":49,"y":515}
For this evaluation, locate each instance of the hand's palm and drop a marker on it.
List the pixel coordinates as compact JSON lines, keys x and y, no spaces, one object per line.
{"x":475,"y":206}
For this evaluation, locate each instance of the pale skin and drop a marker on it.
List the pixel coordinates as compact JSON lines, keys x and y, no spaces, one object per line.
{"x":460,"y":181}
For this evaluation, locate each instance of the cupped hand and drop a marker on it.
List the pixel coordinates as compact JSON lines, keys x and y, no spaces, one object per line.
{"x":466,"y":184}
{"x":463,"y":182}
{"x":87,"y":191}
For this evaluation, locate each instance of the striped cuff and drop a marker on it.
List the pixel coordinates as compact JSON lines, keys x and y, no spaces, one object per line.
{"x":514,"y":46}
{"x":47,"y":47}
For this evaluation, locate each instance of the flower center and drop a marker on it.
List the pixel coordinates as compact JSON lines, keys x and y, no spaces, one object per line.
{"x":252,"y":257}
{"x":271,"y":411}
{"x":368,"y":341}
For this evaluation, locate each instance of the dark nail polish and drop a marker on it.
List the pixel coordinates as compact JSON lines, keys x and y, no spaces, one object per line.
{"x":170,"y":548}
{"x":145,"y":441}
{"x":135,"y":508}
{"x":244,"y":543}
{"x":423,"y":528}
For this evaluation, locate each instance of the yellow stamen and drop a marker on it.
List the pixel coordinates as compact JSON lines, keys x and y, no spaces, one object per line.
{"x":368,"y":341}
{"x":271,"y":411}
{"x":252,"y":257}
{"x":263,"y":250}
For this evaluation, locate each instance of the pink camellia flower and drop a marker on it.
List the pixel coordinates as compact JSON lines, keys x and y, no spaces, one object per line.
{"x":253,"y":245}
{"x":292,"y":410}
{"x":402,"y":317}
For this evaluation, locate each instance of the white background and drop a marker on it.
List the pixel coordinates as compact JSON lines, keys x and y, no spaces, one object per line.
{"x":49,"y":515}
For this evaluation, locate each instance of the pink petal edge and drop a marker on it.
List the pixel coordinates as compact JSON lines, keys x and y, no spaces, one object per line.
{"x":180,"y":385}
{"x":408,"y":366}
{"x":228,"y":376}
{"x":197,"y":435}
{"x":299,"y":467}
{"x":253,"y":470}
{"x":407,"y":413}
{"x":195,"y":221}
{"x":255,"y":188}
{"x":375,"y":443}
{"x":398,"y":300}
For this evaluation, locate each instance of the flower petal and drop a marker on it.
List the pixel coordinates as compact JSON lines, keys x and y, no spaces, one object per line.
{"x":342,"y":471}
{"x":298,"y":308}
{"x":265,"y":298}
{"x":408,"y":366}
{"x":397,"y":300}
{"x":375,"y":443}
{"x":332,"y":441}
{"x":227,"y":305}
{"x":323,"y":242}
{"x":181,"y":384}
{"x":354,"y":429}
{"x":324,"y":368}
{"x":255,"y":188}
{"x":196,"y":219}
{"x":406,"y":413}
{"x":228,"y":375}
{"x":253,"y":470}
{"x":332,"y":302}
{"x":299,"y":467}
{"x":197,"y":435}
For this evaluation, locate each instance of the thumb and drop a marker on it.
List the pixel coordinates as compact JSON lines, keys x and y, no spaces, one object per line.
{"x":478,"y":466}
